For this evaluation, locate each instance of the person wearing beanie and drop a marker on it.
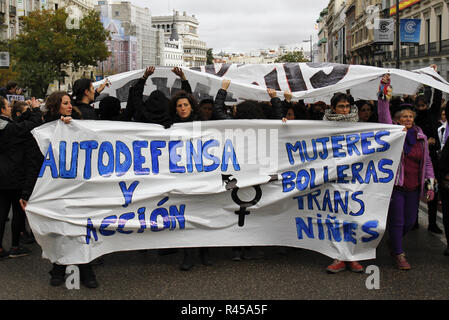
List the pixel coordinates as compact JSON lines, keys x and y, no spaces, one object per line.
{"x":415,"y":176}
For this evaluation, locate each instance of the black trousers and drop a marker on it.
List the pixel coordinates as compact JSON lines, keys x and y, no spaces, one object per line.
{"x":10,"y":198}
{"x":444,"y":196}
{"x":432,"y":207}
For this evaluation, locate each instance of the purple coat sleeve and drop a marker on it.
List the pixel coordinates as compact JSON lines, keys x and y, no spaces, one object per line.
{"x":428,"y":169}
{"x":383,"y":110}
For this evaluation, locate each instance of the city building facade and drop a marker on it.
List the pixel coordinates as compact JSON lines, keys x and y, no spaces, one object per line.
{"x":433,"y":47}
{"x":347,"y":34}
{"x":350,"y":27}
{"x":194,"y":50}
{"x":123,"y":49}
{"x":136,"y":22}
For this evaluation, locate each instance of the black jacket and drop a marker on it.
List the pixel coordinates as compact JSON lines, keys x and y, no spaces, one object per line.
{"x":428,"y":121}
{"x":219,"y":107}
{"x":87,"y":111}
{"x":15,"y":140}
{"x":154,"y":110}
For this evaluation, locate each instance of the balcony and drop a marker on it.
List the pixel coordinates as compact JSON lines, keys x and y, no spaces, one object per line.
{"x":433,"y":49}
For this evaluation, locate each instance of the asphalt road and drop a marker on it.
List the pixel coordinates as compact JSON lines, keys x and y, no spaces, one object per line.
{"x":297,"y":275}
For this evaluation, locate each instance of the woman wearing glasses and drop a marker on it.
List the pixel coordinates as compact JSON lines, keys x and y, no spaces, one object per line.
{"x":342,"y":110}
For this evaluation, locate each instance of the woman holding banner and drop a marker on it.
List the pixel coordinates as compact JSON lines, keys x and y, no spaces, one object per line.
{"x":59,"y":106}
{"x":415,"y":174}
{"x":342,"y":110}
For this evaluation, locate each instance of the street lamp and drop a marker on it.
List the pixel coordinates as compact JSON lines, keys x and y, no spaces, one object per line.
{"x":398,"y":39}
{"x":311,"y":52}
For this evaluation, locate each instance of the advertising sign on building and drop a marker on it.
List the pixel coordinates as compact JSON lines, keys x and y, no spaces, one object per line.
{"x":4,"y":60}
{"x":20,"y":8}
{"x":410,"y":31}
{"x":384,"y":31}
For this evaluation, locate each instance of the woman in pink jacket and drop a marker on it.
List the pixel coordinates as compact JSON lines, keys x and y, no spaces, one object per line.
{"x":415,"y":174}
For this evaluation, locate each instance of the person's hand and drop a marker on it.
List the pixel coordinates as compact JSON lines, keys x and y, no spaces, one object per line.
{"x":284,"y":120}
{"x":288,"y":96}
{"x":430,"y":195}
{"x":178,"y":71}
{"x":385,"y":90}
{"x":148,"y":72}
{"x":434,"y":67}
{"x":34,"y":103}
{"x":105,"y":84}
{"x":431,"y":141}
{"x":225,"y":84}
{"x":23,"y":204}
{"x":271,"y":93}
{"x":66,"y":120}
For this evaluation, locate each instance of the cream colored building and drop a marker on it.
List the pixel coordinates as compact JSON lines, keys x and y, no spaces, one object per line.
{"x":195,"y":50}
{"x":433,"y":46}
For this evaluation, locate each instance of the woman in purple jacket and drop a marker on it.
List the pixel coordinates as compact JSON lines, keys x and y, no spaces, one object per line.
{"x":415,"y":174}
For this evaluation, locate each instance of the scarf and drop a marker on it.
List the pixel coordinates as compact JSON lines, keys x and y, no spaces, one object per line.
{"x":353,"y":116}
{"x":410,"y":140}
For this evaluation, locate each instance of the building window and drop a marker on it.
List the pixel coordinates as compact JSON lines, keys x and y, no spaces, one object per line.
{"x":117,"y":13}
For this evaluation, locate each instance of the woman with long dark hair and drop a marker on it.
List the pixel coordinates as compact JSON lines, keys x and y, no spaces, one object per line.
{"x":59,"y":106}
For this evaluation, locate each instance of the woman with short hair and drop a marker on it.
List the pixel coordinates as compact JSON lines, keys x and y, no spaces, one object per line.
{"x":342,"y":110}
{"x":415,"y":172}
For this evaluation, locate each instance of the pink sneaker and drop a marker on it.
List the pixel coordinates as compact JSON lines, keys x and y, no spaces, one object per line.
{"x":355,"y":266}
{"x":336,"y":266}
{"x":402,"y":263}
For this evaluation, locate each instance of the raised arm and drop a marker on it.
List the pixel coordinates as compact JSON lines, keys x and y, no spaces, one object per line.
{"x":185,"y":85}
{"x":276,"y":103}
{"x":219,"y":102}
{"x":383,"y":103}
{"x":136,"y":93}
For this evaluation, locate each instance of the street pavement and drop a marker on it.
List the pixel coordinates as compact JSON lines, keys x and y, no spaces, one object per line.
{"x":297,"y":275}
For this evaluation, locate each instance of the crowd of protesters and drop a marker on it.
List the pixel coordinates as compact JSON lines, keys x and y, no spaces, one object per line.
{"x":423,"y":171}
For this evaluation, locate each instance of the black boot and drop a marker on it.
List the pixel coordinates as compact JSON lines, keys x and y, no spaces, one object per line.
{"x":57,"y":275}
{"x":187,"y":262}
{"x":204,"y":256}
{"x":87,"y":276}
{"x":434,"y":228}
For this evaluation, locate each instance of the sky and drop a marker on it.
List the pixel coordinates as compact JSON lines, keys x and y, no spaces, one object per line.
{"x":238,"y":26}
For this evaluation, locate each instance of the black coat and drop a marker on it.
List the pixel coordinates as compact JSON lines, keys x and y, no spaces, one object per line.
{"x":154,"y":110}
{"x":219,"y":112}
{"x":428,"y":121}
{"x":15,"y":141}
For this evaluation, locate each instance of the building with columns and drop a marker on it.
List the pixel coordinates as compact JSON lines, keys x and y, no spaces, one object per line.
{"x":187,"y":29}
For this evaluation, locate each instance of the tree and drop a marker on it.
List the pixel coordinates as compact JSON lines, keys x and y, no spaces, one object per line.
{"x":46,"y":46}
{"x":210,"y":56}
{"x":295,"y":56}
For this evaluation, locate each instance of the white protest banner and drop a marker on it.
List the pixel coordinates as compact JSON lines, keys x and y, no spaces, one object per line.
{"x":113,"y":186}
{"x":308,"y":81}
{"x":15,"y":97}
